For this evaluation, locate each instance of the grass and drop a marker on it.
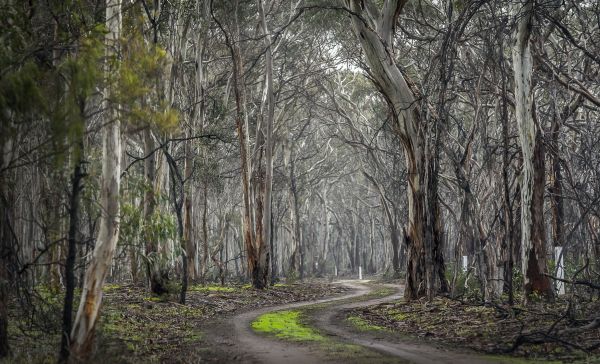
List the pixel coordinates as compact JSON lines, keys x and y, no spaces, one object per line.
{"x":286,"y":325}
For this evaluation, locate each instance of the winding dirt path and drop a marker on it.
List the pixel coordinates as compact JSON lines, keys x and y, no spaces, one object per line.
{"x":236,"y":338}
{"x":328,"y":320}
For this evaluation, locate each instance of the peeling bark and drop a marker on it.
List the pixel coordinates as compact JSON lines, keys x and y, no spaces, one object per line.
{"x":374,"y":30}
{"x":533,"y":262}
{"x":82,"y":335}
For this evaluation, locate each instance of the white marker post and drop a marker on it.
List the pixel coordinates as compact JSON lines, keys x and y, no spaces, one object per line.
{"x":560,"y":269}
{"x":465,"y":263}
{"x":360,"y":273}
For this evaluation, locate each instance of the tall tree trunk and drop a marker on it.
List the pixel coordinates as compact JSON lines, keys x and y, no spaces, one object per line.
{"x":257,"y":171}
{"x":274,"y":273}
{"x":533,"y":262}
{"x":262,"y":167}
{"x":294,"y":209}
{"x":556,"y":190}
{"x":241,"y":122}
{"x":91,"y":297}
{"x":508,"y":238}
{"x":375,"y":29}
{"x":4,"y":276}
{"x":156,"y":270}
{"x":204,"y":230}
{"x":76,"y":188}
{"x":6,"y":244}
{"x":189,"y":245}
{"x":322,"y":259}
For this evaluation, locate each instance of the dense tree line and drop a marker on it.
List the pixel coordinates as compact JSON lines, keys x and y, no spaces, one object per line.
{"x":451,"y":143}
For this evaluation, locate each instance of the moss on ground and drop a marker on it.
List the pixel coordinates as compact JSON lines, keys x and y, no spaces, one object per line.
{"x":212,"y":288}
{"x":364,"y":325}
{"x":137,"y":327}
{"x":110,"y":287}
{"x":381,"y":292}
{"x":286,"y":325}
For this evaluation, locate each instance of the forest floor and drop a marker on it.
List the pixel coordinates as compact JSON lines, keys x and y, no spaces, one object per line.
{"x":315,"y":321}
{"x":136,"y":327}
{"x":315,"y":332}
{"x":360,"y":327}
{"x":540,"y":331}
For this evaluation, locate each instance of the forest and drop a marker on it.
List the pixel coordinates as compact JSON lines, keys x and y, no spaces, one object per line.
{"x":268,"y":181}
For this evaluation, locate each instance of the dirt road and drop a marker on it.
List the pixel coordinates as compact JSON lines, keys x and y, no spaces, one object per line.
{"x":237,"y":342}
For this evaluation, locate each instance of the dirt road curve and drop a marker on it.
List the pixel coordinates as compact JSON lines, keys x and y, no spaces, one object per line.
{"x":328,"y":321}
{"x":236,"y":338}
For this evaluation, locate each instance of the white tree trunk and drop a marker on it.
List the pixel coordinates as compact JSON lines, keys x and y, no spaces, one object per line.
{"x":523,"y":69}
{"x":91,"y":298}
{"x":560,"y":269}
{"x":374,"y":27}
{"x":269,"y":101}
{"x":533,"y":247}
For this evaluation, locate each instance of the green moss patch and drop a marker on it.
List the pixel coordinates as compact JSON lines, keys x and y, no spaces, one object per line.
{"x":286,"y":325}
{"x":212,"y":288}
{"x":110,"y":287}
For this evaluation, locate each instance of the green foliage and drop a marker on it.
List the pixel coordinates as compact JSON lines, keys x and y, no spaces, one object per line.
{"x":35,"y":94}
{"x":291,"y":277}
{"x":131,"y":223}
{"x":77,"y":78}
{"x":466,"y":284}
{"x":19,"y":90}
{"x":139,"y":80}
{"x":134,"y":229}
{"x":517,"y":279}
{"x":160,"y":227}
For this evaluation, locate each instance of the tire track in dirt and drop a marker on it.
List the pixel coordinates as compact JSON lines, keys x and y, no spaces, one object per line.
{"x":247,"y":346}
{"x":242,"y":344}
{"x":328,"y":321}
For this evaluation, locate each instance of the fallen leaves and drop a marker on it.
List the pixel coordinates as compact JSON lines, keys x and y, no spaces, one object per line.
{"x":492,"y":328}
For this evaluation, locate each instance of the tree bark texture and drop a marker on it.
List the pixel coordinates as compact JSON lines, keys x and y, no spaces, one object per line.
{"x":533,"y":262}
{"x":375,"y":29}
{"x":155,"y":270}
{"x":72,"y":241}
{"x":82,"y":334}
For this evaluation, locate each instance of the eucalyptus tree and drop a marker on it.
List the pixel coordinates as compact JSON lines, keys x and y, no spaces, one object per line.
{"x":533,"y":246}
{"x":108,"y":235}
{"x":256,"y":159}
{"x":375,"y":27}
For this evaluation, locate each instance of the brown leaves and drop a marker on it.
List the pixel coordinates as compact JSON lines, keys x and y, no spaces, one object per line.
{"x":491,"y":328}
